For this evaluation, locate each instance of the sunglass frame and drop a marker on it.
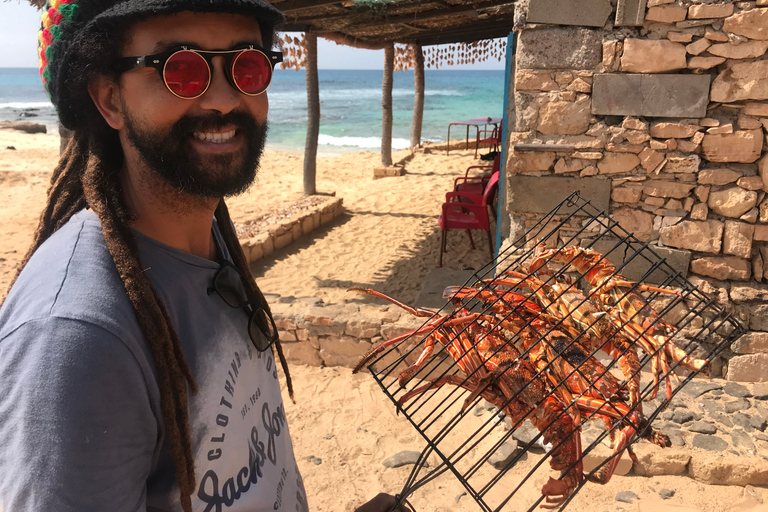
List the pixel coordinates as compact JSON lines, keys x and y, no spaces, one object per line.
{"x":159,"y":61}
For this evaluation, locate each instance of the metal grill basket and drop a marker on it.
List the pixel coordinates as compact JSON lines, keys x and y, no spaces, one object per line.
{"x":482,"y":322}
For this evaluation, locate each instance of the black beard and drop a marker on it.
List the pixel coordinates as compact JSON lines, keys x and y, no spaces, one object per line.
{"x":171,"y":154}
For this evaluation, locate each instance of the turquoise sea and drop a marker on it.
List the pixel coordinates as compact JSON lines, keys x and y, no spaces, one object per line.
{"x":350,"y":105}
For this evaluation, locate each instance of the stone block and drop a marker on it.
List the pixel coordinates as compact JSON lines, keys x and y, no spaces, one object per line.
{"x":653,"y":460}
{"x":722,"y":176}
{"x":650,"y":159}
{"x":702,"y":11}
{"x":725,"y":267}
{"x":698,"y":46}
{"x":732,"y":202}
{"x":637,"y":264}
{"x":559,"y":48}
{"x":637,"y":222}
{"x":755,"y":109}
{"x":762,"y":168}
{"x":526,"y":161}
{"x":741,"y":81}
{"x":701,"y":236}
{"x":626,"y":195}
{"x":618,"y":163}
{"x":363,"y":327}
{"x":685,"y":96}
{"x":758,"y":321}
{"x":285,"y":323}
{"x":585,"y":13}
{"x":682,"y":164}
{"x":283,"y":240}
{"x":599,"y":454}
{"x":531,"y":80}
{"x":660,"y":188}
{"x":680,"y":37}
{"x":737,"y":238}
{"x":666,"y":13}
{"x":748,"y":368}
{"x":752,"y":24}
{"x":761,"y":234}
{"x":565,"y":117}
{"x":728,"y":470}
{"x":748,"y":50}
{"x":343,"y":350}
{"x":705,"y":62}
{"x":630,"y":13}
{"x":699,"y":211}
{"x":665,"y":130}
{"x":302,"y":353}
{"x":541,"y":194}
{"x":652,"y":56}
{"x":753,"y":342}
{"x":742,"y":146}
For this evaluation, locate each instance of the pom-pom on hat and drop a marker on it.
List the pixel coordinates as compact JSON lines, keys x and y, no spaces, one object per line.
{"x":69,"y":27}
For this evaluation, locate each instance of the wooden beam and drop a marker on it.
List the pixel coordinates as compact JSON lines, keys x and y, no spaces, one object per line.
{"x":466,"y":34}
{"x":339,"y":38}
{"x":378,"y":21}
{"x":298,"y":5}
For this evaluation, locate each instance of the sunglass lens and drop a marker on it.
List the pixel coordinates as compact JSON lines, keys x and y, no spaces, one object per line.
{"x":186,"y":74}
{"x":251,"y":71}
{"x":261,"y":330}
{"x":230,"y":287}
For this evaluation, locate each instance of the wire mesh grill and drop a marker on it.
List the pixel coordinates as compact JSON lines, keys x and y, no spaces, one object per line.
{"x":551,"y":332}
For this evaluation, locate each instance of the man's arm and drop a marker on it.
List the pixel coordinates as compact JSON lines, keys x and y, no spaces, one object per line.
{"x":77,"y":431}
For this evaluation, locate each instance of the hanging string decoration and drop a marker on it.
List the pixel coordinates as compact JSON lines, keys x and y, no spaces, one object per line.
{"x":465,"y":53}
{"x":294,"y":52}
{"x":405,"y":57}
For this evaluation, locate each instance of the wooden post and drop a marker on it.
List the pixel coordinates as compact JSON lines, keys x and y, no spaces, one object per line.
{"x":313,"y":116}
{"x":418,"y":98}
{"x":386,"y":105}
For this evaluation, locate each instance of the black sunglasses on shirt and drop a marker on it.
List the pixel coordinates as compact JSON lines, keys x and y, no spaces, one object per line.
{"x":231,"y":286}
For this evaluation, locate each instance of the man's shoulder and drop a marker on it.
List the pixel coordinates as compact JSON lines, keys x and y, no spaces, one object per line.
{"x":71,"y":275}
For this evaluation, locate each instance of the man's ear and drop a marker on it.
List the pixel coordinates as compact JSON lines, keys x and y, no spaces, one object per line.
{"x":106,"y":96}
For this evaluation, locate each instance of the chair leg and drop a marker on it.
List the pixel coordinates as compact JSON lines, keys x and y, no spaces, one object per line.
{"x":442,"y":250}
{"x":471,"y":242}
{"x":490,"y":243}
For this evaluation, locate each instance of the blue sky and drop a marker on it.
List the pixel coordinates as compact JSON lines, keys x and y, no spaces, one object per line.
{"x":19,"y":23}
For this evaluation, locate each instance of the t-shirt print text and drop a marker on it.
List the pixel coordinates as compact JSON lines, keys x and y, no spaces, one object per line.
{"x":216,"y":497}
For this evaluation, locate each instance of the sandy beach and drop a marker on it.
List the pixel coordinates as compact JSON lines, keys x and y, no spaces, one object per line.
{"x":342,"y":425}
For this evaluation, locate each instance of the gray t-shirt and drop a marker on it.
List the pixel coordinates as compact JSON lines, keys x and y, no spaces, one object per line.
{"x":81,"y":427}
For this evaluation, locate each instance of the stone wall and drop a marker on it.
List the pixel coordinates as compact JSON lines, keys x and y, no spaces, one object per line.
{"x":666,"y":104}
{"x":316,"y":334}
{"x":291,"y":229}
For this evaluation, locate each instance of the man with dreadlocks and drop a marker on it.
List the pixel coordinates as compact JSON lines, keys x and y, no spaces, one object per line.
{"x":136,"y":353}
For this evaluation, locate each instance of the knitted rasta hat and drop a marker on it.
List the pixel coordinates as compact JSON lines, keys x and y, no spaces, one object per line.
{"x":78,"y":38}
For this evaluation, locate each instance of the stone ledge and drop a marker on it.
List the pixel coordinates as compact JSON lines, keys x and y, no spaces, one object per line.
{"x":290,"y":230}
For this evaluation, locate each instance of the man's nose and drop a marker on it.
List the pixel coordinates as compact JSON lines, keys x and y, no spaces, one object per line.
{"x":221,"y":95}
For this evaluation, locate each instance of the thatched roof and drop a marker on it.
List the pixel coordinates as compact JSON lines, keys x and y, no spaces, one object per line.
{"x":372,"y":23}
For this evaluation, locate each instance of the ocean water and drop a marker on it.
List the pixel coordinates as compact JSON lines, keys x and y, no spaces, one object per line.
{"x":350,"y":105}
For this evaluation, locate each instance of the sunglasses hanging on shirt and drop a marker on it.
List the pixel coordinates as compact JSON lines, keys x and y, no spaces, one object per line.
{"x":231,"y":286}
{"x":187,"y":73}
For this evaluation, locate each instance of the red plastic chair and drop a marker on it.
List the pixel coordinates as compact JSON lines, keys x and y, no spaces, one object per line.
{"x":490,"y":137}
{"x":476,"y":184}
{"x":468,"y":211}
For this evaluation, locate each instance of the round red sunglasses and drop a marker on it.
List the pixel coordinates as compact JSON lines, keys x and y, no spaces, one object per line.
{"x":187,"y":72}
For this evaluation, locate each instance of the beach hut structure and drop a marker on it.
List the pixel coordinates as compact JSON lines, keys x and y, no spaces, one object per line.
{"x":380,"y":24}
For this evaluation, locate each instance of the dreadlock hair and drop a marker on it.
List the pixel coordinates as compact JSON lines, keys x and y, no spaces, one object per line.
{"x":87,"y":177}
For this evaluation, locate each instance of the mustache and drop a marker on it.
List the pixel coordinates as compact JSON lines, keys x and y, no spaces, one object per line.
{"x":215,"y":122}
